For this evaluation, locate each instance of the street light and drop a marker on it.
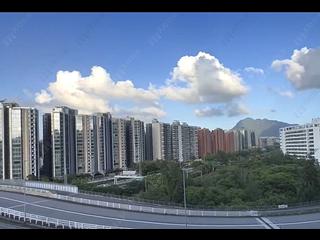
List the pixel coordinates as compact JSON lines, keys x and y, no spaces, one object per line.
{"x":184,"y":197}
{"x":24,"y":197}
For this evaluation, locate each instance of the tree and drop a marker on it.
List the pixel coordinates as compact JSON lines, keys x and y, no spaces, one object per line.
{"x":31,"y":177}
{"x":310,"y":187}
{"x":172,"y":181}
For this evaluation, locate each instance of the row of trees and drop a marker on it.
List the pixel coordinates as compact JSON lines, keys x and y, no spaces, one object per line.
{"x":252,"y":178}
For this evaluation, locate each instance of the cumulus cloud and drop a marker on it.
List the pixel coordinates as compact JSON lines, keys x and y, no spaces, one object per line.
{"x":209,"y":112}
{"x":302,"y":69}
{"x":236,"y":109}
{"x":203,"y":79}
{"x":253,"y":70}
{"x":94,"y":92}
{"x":43,"y":97}
{"x":230,"y":110}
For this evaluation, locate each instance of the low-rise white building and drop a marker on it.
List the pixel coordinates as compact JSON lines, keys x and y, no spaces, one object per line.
{"x":302,"y":141}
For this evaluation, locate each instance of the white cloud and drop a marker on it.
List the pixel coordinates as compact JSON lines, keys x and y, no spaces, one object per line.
{"x":283,"y":93}
{"x":208,"y":112}
{"x":43,"y":97}
{"x":235,"y":109}
{"x":253,"y":70}
{"x":288,"y":94}
{"x":203,"y":79}
{"x":302,"y":69}
{"x":230,"y":110}
{"x":94,"y":93}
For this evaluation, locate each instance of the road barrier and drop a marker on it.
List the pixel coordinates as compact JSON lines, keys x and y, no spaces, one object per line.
{"x":162,"y":209}
{"x":48,"y":221}
{"x":30,"y":191}
{"x":41,"y":185}
{"x":159,"y":210}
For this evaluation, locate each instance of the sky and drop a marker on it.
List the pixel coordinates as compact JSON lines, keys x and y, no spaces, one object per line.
{"x":207,"y":69}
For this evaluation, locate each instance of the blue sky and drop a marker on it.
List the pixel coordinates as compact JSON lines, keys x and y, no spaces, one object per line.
{"x":145,"y":48}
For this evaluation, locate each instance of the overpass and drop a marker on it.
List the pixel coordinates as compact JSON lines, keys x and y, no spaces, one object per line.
{"x":67,"y":212}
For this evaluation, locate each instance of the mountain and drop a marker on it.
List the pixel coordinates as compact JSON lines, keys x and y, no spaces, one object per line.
{"x":262,"y":127}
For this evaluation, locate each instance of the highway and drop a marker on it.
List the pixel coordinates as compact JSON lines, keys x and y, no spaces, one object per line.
{"x":9,"y":225}
{"x":121,"y":218}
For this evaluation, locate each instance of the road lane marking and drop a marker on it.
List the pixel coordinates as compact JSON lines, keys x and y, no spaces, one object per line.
{"x":274,"y":226}
{"x":263,"y":223}
{"x":295,"y":223}
{"x":21,"y":205}
{"x":137,"y":221}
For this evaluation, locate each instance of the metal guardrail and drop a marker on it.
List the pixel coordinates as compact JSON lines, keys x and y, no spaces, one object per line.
{"x":41,"y":185}
{"x":48,"y":221}
{"x":135,"y":199}
{"x":28,"y":190}
{"x":169,"y":211}
{"x":136,"y":208}
{"x":159,"y":210}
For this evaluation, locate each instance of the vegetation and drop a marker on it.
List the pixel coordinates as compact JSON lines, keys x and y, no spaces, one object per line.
{"x":253,"y":178}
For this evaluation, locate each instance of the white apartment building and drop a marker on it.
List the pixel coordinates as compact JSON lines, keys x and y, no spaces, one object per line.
{"x":301,"y":140}
{"x":177,"y":141}
{"x":63,"y":131}
{"x":161,"y":140}
{"x":86,"y":144}
{"x":119,"y":141}
{"x":19,"y":141}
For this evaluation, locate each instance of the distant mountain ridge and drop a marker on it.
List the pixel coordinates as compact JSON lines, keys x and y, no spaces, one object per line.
{"x":262,"y":127}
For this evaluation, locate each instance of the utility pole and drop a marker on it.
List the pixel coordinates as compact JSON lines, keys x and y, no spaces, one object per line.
{"x":65,"y":179}
{"x":140,"y":170}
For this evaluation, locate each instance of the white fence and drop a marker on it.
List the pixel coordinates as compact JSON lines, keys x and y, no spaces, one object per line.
{"x":130,"y":207}
{"x":52,"y":186}
{"x":48,"y":221}
{"x":42,"y":185}
{"x":159,"y":210}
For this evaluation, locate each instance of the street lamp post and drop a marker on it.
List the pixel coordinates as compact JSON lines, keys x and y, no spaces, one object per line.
{"x":184,"y":197}
{"x":24,"y":198}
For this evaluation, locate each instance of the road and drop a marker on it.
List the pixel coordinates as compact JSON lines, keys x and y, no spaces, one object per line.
{"x":6,"y":224}
{"x":120,"y":218}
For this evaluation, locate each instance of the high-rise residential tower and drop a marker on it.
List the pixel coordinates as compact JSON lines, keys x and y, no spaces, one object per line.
{"x":19,"y":142}
{"x":230,"y":141}
{"x":47,"y":146}
{"x":148,"y":142}
{"x":176,"y":141}
{"x":104,"y":142}
{"x":218,"y":140}
{"x":204,"y":142}
{"x":63,"y":132}
{"x":161,"y":141}
{"x":86,"y":144}
{"x":119,"y":140}
{"x":135,"y":141}
{"x":194,"y":142}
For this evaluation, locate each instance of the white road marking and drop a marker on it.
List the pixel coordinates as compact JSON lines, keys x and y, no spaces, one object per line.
{"x":295,"y":223}
{"x":137,"y":221}
{"x":274,"y":226}
{"x":262,"y":223}
{"x":21,"y":205}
